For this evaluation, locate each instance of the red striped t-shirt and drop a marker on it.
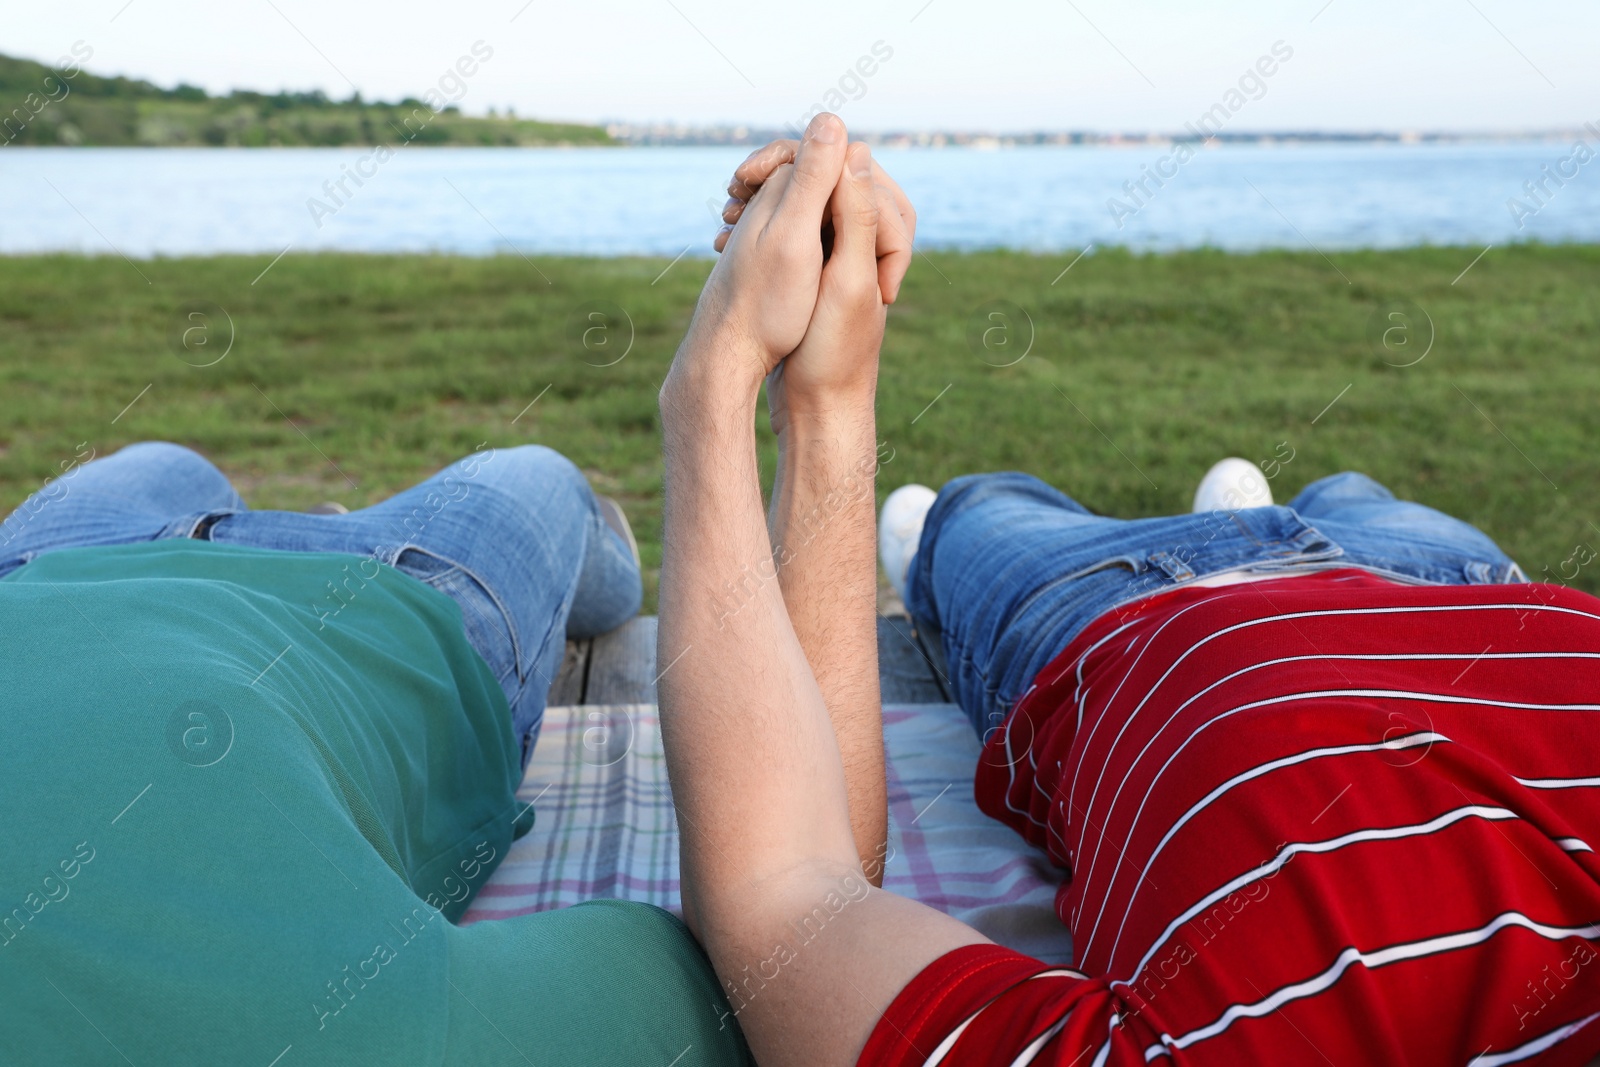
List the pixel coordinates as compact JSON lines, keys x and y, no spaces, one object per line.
{"x":1328,"y":819}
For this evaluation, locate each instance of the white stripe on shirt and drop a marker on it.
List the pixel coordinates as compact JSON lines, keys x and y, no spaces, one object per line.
{"x":1411,"y":950}
{"x":1283,"y":617}
{"x":1332,"y":844}
{"x":1401,"y":657}
{"x":1409,"y":741}
{"x":1534,"y":1047}
{"x":1398,"y":694}
{"x":1558,"y":783}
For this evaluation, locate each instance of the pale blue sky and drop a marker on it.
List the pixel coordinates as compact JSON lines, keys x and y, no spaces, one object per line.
{"x":995,"y":64}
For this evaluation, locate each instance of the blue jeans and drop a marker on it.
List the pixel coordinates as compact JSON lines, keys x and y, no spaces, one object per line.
{"x":514,"y":536}
{"x":1009,"y":570}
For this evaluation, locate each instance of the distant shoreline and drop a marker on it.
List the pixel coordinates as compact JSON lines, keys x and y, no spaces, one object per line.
{"x":66,"y":106}
{"x":662,"y":135}
{"x":932,"y":141}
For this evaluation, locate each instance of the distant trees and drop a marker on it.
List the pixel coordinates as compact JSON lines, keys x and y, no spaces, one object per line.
{"x":40,"y":105}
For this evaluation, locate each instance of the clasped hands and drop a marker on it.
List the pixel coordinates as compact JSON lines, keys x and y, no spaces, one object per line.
{"x":775,"y":308}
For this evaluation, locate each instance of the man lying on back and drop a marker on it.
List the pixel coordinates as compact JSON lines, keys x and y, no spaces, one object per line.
{"x":1326,"y":777}
{"x":258,"y":763}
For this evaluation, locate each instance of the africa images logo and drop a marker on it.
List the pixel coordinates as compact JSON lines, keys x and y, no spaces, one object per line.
{"x":199,"y":733}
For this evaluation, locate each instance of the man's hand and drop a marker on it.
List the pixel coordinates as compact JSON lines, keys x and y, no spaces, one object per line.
{"x":897,"y":219}
{"x":760,"y":298}
{"x":823,"y":375}
{"x":835,"y":366}
{"x":821,"y":524}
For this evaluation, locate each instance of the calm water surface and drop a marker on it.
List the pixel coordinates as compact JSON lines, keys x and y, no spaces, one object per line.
{"x":661,"y":201}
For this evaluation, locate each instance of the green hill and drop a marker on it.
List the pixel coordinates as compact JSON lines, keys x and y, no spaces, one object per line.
{"x":66,"y":105}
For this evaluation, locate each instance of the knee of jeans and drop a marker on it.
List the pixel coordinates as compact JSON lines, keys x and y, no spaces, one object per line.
{"x":531,"y":469}
{"x":529,"y":474}
{"x":177,"y":463}
{"x":1345,"y":487}
{"x":164,"y":454}
{"x":969,"y":490}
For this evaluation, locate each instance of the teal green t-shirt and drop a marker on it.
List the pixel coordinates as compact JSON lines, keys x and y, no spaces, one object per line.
{"x":238,"y":830}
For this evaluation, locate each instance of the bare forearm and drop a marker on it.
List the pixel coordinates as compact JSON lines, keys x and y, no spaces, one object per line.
{"x":771,"y":872}
{"x":822,"y":526}
{"x":756,"y":775}
{"x":755,"y":768}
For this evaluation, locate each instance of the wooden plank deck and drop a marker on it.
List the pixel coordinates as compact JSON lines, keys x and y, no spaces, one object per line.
{"x":620,"y":667}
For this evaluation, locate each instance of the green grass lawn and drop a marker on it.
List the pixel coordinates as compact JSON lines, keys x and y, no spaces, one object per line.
{"x":1143,"y":371}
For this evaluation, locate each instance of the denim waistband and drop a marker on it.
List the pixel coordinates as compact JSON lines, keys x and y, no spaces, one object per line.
{"x":1103,"y":567}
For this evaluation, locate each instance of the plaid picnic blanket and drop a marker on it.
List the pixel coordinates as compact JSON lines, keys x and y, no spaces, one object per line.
{"x":605,"y":827}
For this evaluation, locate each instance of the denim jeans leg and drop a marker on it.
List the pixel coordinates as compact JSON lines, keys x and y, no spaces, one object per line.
{"x":1009,"y":570}
{"x":1400,"y":538}
{"x":513,"y":535}
{"x":989,"y":544}
{"x":609,"y":591}
{"x":140,"y":493}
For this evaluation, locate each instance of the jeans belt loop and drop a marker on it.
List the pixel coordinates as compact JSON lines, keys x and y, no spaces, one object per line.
{"x":1173,"y":567}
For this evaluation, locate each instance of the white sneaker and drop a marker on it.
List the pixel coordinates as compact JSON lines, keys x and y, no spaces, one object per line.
{"x":1232,"y":485}
{"x":900,"y":529}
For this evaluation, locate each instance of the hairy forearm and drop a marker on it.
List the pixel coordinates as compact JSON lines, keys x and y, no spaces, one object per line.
{"x":772,"y":873}
{"x":755,"y":768}
{"x":757,"y":779}
{"x":822,"y":526}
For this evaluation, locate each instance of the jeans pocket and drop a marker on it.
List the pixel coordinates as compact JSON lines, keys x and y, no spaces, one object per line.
{"x":1134,"y":563}
{"x":16,"y":562}
{"x":488,"y":625}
